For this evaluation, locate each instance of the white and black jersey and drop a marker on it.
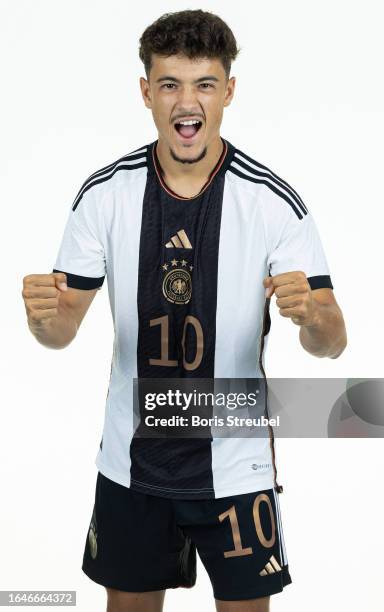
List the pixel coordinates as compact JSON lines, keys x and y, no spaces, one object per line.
{"x":185,"y":282}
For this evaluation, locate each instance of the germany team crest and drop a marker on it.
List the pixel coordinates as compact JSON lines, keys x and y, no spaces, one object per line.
{"x":177,"y":282}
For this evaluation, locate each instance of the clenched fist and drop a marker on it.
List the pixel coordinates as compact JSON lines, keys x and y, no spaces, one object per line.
{"x":41,"y":294}
{"x":294,"y":296}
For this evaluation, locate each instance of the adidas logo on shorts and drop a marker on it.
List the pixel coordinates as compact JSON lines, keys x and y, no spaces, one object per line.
{"x":271,"y":567}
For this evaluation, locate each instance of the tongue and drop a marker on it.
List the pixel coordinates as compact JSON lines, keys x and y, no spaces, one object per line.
{"x":187,"y":130}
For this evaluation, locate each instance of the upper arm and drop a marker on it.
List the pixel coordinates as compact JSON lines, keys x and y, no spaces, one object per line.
{"x":76,"y":302}
{"x":81,"y":256}
{"x":292,"y":238}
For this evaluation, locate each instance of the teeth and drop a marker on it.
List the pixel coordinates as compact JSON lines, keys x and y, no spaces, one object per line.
{"x":190,"y":122}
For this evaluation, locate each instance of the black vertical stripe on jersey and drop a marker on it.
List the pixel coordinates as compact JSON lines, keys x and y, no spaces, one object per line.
{"x":265,"y":332}
{"x":177,"y":467}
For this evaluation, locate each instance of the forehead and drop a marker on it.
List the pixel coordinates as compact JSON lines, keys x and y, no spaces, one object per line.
{"x":184,"y":68}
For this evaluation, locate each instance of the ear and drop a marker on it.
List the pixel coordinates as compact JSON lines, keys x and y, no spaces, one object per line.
{"x":145,"y":92}
{"x":229,"y":91}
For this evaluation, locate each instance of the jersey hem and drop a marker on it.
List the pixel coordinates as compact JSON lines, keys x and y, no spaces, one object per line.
{"x":251,"y":487}
{"x":143,"y":487}
{"x":112,"y":475}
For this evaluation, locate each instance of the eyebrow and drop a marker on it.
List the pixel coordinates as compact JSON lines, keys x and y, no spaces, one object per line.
{"x":174,"y":80}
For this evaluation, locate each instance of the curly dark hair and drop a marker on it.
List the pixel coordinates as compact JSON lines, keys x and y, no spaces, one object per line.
{"x":193,"y":33}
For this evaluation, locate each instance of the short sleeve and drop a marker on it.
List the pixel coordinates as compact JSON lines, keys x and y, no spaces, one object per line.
{"x":81,"y":254}
{"x":299,"y":247}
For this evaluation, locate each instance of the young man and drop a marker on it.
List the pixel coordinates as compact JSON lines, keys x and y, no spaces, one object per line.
{"x":194,"y":237}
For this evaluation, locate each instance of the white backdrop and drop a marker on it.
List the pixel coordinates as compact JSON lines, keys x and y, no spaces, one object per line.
{"x":308,"y":104}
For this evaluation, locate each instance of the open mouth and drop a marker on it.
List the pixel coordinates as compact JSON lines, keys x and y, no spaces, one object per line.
{"x":188,"y":128}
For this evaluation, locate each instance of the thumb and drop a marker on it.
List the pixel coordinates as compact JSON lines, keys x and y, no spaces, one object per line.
{"x":60,"y":280}
{"x":269,"y":288}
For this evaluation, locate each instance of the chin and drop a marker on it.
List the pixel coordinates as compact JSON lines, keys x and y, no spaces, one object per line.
{"x":188,"y":155}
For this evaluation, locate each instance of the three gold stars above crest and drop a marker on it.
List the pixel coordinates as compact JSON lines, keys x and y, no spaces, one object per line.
{"x":174,"y":263}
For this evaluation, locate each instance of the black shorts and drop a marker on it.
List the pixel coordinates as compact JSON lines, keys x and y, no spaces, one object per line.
{"x":138,"y":542}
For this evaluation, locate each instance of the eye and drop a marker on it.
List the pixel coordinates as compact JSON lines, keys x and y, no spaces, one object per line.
{"x":168,"y":85}
{"x":206,"y":85}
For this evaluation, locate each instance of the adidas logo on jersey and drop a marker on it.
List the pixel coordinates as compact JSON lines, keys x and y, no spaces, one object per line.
{"x":179,"y":241}
{"x":271,"y":567}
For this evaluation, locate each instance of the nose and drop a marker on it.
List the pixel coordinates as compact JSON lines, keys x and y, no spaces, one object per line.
{"x":187,"y":99}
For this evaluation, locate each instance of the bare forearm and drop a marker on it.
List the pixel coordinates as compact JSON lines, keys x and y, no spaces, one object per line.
{"x":55,"y":333}
{"x":327,"y":337}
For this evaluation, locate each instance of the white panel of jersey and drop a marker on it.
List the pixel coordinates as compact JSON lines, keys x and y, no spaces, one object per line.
{"x":127,"y":225}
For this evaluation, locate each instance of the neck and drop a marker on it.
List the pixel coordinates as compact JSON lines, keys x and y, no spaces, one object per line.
{"x":198,"y":171}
